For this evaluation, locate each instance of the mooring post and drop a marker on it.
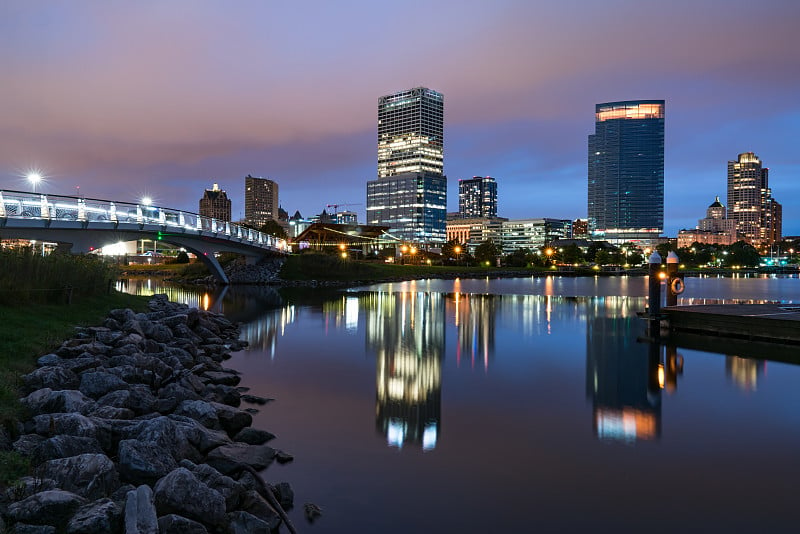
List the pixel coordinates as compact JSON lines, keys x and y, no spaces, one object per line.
{"x":654,"y":286}
{"x":673,"y":289}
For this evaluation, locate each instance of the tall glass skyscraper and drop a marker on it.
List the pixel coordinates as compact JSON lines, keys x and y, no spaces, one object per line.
{"x":750,"y":202}
{"x":626,"y":171}
{"x":410,"y":194}
{"x":477,"y":197}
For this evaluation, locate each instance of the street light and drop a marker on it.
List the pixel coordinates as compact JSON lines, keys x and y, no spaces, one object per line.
{"x":35,"y":179}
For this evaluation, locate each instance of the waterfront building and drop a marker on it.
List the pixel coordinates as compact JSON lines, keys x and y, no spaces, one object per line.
{"x":532,"y":234}
{"x":757,"y":214}
{"x":215,"y":204}
{"x":260,"y":201}
{"x":477,"y":197}
{"x":410,"y":194}
{"x":715,"y":229}
{"x":626,"y":171}
{"x":473,"y":231}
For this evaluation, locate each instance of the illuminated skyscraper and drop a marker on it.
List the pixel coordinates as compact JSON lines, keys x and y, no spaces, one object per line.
{"x":260,"y":201}
{"x":750,"y":203}
{"x":410,"y":194}
{"x":626,"y":170}
{"x":477,"y":197}
{"x":215,"y":204}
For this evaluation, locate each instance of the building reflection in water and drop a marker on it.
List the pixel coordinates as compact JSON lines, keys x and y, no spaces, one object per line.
{"x":624,"y":377}
{"x":744,"y":372}
{"x":474,"y":317}
{"x":406,"y":333}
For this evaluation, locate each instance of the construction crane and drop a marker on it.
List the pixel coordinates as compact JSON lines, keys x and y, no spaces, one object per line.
{"x":336,"y":206}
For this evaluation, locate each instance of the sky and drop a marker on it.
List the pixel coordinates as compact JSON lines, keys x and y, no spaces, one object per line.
{"x":119,"y":100}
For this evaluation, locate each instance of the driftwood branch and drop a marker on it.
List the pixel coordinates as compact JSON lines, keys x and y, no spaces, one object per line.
{"x":266,"y":491}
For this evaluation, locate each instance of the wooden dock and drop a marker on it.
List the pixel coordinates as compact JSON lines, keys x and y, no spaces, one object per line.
{"x":770,"y":323}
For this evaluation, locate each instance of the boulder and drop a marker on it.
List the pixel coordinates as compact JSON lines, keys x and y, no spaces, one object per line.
{"x":253,"y":503}
{"x":99,"y":517}
{"x":95,"y":384}
{"x":140,"y":512}
{"x":46,"y":400}
{"x":201,"y":411}
{"x":230,"y":489}
{"x":223,"y":394}
{"x":222,"y":378}
{"x":109,"y":412}
{"x":54,"y":377}
{"x":142,"y":462}
{"x":230,"y":419}
{"x":176,"y":524}
{"x":90,"y":475}
{"x":27,"y":444}
{"x":63,"y":446}
{"x":284,"y":494}
{"x":200,"y":437}
{"x":245,"y":523}
{"x":226,"y":459}
{"x":138,"y":398}
{"x":182,"y":493}
{"x":71,"y":424}
{"x":23,"y":528}
{"x":50,"y":507}
{"x":253,"y":436}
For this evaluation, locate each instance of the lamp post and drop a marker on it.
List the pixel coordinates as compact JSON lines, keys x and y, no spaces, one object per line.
{"x":457,"y":251}
{"x":403,"y":250}
{"x":549,"y":253}
{"x":35,"y":179}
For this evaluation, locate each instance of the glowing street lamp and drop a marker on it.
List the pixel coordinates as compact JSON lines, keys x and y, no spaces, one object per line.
{"x":147,"y":201}
{"x":35,"y":179}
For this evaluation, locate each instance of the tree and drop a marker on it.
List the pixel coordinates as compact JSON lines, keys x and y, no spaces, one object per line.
{"x":182,"y":257}
{"x":487,"y":251}
{"x":518,"y":258}
{"x":743,"y":254}
{"x":272,"y":227}
{"x":572,"y":254}
{"x":453,"y":250}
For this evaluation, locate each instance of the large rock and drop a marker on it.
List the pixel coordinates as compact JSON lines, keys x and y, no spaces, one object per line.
{"x":222,"y":378}
{"x":202,"y":438}
{"x":230,"y":489}
{"x":228,"y":395}
{"x":138,"y":398}
{"x":71,"y":424}
{"x":182,"y":493}
{"x":140,"y":512}
{"x":255,"y":504}
{"x":54,"y":377}
{"x":245,"y":523}
{"x":46,"y":400}
{"x":95,"y":384}
{"x":64,"y":446}
{"x":90,"y":475}
{"x":176,"y":524}
{"x":226,"y":459}
{"x":201,"y":411}
{"x":230,"y":419}
{"x":99,"y":517}
{"x":253,"y":436}
{"x":142,"y":462}
{"x":51,"y":507}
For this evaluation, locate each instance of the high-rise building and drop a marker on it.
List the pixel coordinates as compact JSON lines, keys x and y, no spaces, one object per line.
{"x":260,"y":201}
{"x":215,"y":204}
{"x":477,"y":197}
{"x":758,"y":216}
{"x":716,"y":228}
{"x":411,"y":132}
{"x":626,"y":171}
{"x":410,"y":194}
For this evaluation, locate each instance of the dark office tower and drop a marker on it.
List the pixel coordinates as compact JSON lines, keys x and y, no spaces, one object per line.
{"x":411,"y":132}
{"x":626,"y":171}
{"x":750,"y":202}
{"x":215,"y":204}
{"x":477,"y":197}
{"x":260,"y":201}
{"x":410,"y":194}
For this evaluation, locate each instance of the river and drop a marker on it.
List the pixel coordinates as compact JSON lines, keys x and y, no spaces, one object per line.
{"x":516,"y":405}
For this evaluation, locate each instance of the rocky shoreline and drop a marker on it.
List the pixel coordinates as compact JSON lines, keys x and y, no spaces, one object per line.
{"x":135,"y":426}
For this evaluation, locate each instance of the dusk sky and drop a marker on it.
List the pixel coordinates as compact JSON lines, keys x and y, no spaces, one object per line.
{"x":165,"y":98}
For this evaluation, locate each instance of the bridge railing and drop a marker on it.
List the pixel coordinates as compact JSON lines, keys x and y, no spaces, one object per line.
{"x":24,"y":205}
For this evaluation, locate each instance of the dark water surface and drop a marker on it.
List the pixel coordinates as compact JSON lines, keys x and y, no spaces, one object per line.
{"x":520,"y":405}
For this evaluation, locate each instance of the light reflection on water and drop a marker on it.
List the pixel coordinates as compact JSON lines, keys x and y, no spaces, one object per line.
{"x":551,"y":410}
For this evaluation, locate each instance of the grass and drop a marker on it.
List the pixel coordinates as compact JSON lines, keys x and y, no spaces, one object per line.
{"x":30,"y":330}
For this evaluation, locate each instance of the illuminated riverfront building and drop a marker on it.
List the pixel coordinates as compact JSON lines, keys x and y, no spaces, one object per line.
{"x":410,"y":194}
{"x":473,"y":232}
{"x":260,"y":201}
{"x":533,"y":234}
{"x":477,"y":197}
{"x":758,"y":216}
{"x":626,"y":171}
{"x":715,"y":229}
{"x":215,"y":204}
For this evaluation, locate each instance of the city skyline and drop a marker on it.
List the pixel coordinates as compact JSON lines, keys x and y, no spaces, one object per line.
{"x":289,"y":94}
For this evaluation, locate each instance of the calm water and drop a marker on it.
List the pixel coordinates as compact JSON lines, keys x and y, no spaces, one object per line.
{"x":518,"y":405}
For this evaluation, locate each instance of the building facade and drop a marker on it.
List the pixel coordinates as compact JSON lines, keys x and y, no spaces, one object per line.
{"x":410,"y":193}
{"x":477,"y":197}
{"x":473,"y":231}
{"x":215,"y":204}
{"x":260,"y":201}
{"x":533,"y":234}
{"x":626,"y":171}
{"x":715,"y":229}
{"x":412,"y":205}
{"x":411,"y":132}
{"x":757,"y":214}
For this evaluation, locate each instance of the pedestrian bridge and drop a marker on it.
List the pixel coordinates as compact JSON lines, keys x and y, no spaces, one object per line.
{"x":83,"y":225}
